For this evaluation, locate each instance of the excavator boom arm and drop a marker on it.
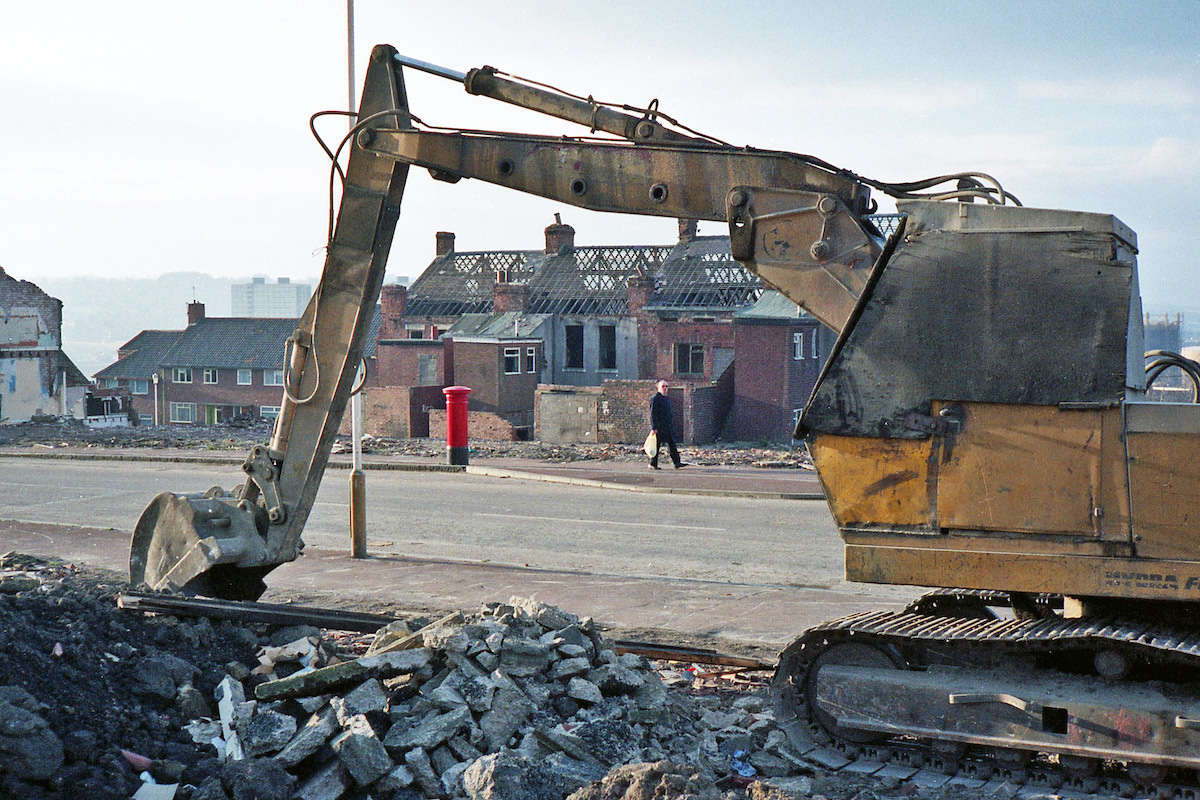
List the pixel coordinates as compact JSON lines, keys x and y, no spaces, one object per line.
{"x":794,"y":222}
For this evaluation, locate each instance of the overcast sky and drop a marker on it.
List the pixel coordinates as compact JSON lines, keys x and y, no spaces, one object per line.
{"x":149,"y":137}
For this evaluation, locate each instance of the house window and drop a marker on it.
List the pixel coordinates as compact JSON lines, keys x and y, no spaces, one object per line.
{"x":531,"y":359}
{"x":608,"y":347}
{"x":272,"y":377}
{"x":268,"y":412}
{"x":574,"y":346}
{"x":210,"y":376}
{"x":814,"y":343}
{"x":111,"y":383}
{"x":797,"y":346}
{"x":245,"y":377}
{"x":183,"y":412}
{"x":139,"y":387}
{"x":416,"y":333}
{"x":689,"y":359}
{"x":512,"y":361}
{"x":181,"y":375}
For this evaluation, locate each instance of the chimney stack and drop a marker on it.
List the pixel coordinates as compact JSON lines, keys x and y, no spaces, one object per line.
{"x":510,"y":297}
{"x":195,"y":312}
{"x":393,"y":302}
{"x":445,"y":243}
{"x":640,"y":290}
{"x":687,"y":230}
{"x":559,"y":236}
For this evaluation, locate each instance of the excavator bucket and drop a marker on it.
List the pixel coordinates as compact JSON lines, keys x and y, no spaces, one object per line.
{"x":222,"y":544}
{"x":192,"y":544}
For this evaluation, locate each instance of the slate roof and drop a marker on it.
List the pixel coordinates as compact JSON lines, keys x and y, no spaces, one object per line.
{"x":75,"y":376}
{"x":220,"y":342}
{"x":147,"y":349}
{"x":231,"y":343}
{"x":769,"y":307}
{"x":509,"y":325}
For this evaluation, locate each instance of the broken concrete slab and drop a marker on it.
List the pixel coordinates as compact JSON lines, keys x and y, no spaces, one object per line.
{"x":361,"y":752}
{"x":340,"y":676}
{"x":430,"y":732}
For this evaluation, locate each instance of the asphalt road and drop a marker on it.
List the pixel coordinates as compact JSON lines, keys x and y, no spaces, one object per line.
{"x":647,"y":560}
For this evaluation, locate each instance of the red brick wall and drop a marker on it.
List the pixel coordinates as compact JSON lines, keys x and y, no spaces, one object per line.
{"x":480,"y":365}
{"x":710,"y":407}
{"x":662,"y":336}
{"x":385,"y":412}
{"x":623,"y":411}
{"x":480,"y":425}
{"x":397,"y":361}
{"x":769,"y":382}
{"x":225,"y":392}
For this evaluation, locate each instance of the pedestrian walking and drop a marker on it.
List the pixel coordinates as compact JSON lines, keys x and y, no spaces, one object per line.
{"x":661,"y":422}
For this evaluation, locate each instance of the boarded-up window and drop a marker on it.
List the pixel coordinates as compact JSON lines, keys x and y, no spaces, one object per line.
{"x":608,"y":347}
{"x":574,"y":346}
{"x":427,"y":370}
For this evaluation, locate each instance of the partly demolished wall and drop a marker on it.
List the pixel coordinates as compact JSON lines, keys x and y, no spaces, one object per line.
{"x":36,"y":377}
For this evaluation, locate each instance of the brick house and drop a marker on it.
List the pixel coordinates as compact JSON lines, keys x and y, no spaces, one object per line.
{"x":213,"y":370}
{"x":132,"y":374}
{"x":781,"y":351}
{"x":223,"y":367}
{"x":500,"y":356}
{"x":594,"y":314}
{"x":36,"y":376}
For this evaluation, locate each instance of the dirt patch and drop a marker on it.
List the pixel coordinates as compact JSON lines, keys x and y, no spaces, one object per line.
{"x":102,"y":680}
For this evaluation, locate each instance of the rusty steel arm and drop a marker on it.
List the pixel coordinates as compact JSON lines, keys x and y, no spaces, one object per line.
{"x":487,"y":82}
{"x":222,"y":544}
{"x":794,"y":221}
{"x":796,"y":225}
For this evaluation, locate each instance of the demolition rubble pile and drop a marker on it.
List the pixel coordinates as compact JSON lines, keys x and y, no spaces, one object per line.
{"x":520,"y":701}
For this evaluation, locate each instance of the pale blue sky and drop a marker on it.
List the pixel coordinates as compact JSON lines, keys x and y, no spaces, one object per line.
{"x":149,"y":137}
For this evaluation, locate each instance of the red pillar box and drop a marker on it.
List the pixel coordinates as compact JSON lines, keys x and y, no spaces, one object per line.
{"x":456,"y":423}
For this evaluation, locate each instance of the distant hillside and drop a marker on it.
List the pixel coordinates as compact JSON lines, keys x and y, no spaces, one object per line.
{"x":101,"y":314}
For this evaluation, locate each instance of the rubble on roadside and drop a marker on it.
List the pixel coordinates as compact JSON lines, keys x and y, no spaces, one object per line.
{"x":243,"y":434}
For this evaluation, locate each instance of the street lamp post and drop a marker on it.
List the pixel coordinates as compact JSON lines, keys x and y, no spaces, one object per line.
{"x":154,"y":379}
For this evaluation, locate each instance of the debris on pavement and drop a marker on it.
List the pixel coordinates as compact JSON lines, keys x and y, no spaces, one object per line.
{"x":245,"y":433}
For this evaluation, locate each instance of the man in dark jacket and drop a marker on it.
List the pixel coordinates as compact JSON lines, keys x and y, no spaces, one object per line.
{"x":660,"y":424}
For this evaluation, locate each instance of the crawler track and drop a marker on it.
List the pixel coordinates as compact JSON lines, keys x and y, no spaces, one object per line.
{"x":954,"y":632}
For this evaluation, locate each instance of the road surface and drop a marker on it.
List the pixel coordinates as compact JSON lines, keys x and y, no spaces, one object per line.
{"x":757,"y":570}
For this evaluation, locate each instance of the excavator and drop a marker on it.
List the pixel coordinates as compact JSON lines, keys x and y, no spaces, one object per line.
{"x":981,"y":428}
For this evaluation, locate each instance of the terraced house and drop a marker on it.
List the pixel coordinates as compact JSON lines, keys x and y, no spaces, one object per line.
{"x":212,"y":371}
